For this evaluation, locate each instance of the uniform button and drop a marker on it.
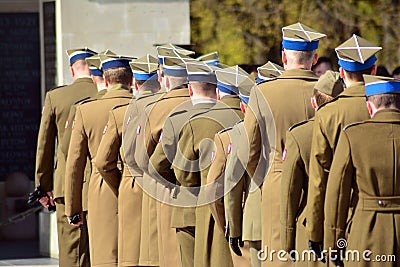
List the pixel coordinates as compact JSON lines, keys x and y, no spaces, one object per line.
{"x":381,"y":204}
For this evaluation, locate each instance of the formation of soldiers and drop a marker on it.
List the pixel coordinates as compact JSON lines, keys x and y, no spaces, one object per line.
{"x":200,"y":164}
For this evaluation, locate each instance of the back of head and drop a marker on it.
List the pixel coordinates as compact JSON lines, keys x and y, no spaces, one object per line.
{"x":300,"y":43}
{"x":116,"y":69}
{"x":80,"y":68}
{"x":356,"y":57}
{"x":122,"y":75}
{"x":149,"y":85}
{"x":304,"y":58}
{"x":383,"y":92}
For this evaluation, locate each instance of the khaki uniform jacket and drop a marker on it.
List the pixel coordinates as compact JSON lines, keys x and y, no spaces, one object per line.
{"x":347,"y":108}
{"x":151,"y":121}
{"x":366,"y":161}
{"x":294,"y":187}
{"x":270,"y":115}
{"x":64,"y":144}
{"x":223,"y":150}
{"x":54,"y":116}
{"x":190,"y":137}
{"x":129,"y":243}
{"x":90,"y":124}
{"x":243,"y":214}
{"x":211,"y":247}
{"x":109,"y":154}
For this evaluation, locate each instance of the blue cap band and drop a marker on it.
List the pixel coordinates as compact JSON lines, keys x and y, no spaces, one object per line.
{"x":82,"y":55}
{"x":300,"y":45}
{"x":382,"y":88}
{"x":145,"y":76}
{"x":206,"y":78}
{"x":227,"y":88}
{"x":214,"y":62}
{"x":356,"y":66}
{"x":245,"y":99}
{"x":181,"y":72}
{"x":115,"y":63}
{"x":96,"y":72}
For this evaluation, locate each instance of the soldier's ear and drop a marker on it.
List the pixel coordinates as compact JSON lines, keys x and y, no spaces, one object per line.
{"x":371,"y":108}
{"x":373,"y":71}
{"x":190,"y":90}
{"x":284,"y":57}
{"x":72,"y":71}
{"x":243,"y":107}
{"x":315,"y":59}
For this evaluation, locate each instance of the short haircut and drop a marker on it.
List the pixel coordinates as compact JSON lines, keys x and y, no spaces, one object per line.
{"x":321,"y":60}
{"x":385,"y":100}
{"x":79,"y":64}
{"x":177,"y":81}
{"x":121,"y":75}
{"x":358,"y":75}
{"x":396,"y":71}
{"x":321,"y":98}
{"x":151,"y":85}
{"x":301,"y":57}
{"x":205,"y":89}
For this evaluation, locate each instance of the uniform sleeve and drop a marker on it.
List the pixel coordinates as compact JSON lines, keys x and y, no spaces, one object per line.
{"x":107,"y":155}
{"x":216,"y":171}
{"x":338,"y":193}
{"x":64,"y":144}
{"x":46,"y":147}
{"x":234,"y":197}
{"x":251,"y":124}
{"x":320,"y":162}
{"x":160,"y":164}
{"x":292,"y":181}
{"x":75,"y":166}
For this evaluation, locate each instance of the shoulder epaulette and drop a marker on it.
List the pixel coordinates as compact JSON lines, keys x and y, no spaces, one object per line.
{"x":82,"y":100}
{"x":265,"y":81}
{"x":239,"y":122}
{"x":297,"y":124}
{"x":353,"y":124}
{"x":86,"y":101}
{"x":177,"y":113}
{"x":57,"y":87}
{"x":326,"y":103}
{"x":120,"y":106}
{"x":224,"y":130}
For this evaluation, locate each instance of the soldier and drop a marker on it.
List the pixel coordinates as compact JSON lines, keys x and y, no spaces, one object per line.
{"x":271,"y":113}
{"x":206,"y":228}
{"x":111,"y":150}
{"x":72,"y":243}
{"x":243,"y":220}
{"x":294,"y":183}
{"x":184,"y":132}
{"x":89,"y":125}
{"x":229,"y":80}
{"x":375,"y":223}
{"x":268,"y":71}
{"x":96,"y":73}
{"x":356,"y":57}
{"x":152,"y":117}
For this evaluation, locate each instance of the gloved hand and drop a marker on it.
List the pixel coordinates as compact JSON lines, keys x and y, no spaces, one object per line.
{"x":235,"y":242}
{"x":316,"y":247}
{"x":338,"y":262}
{"x":336,"y":258}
